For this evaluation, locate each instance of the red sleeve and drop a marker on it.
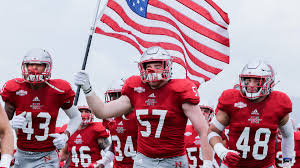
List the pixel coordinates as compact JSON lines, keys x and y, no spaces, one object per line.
{"x":285,"y":103}
{"x":100,"y":130}
{"x":9,"y":90}
{"x":226,"y":100}
{"x":188,"y":92}
{"x":128,"y":86}
{"x":68,"y":94}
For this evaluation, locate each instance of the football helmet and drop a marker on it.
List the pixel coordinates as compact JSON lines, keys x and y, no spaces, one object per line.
{"x":86,"y":115}
{"x":205,"y":105}
{"x":114,"y":92}
{"x":155,"y":54}
{"x":37,"y":56}
{"x":262,"y":71}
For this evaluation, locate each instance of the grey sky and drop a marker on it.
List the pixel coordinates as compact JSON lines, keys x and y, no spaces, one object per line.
{"x":267,"y":29}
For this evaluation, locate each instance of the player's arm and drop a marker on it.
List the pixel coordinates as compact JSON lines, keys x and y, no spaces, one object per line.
{"x":106,"y":159}
{"x":7,"y":139}
{"x":74,"y":115}
{"x":217,"y":126}
{"x":107,"y":110}
{"x":10,"y":110}
{"x":63,"y":153}
{"x":194,"y":114}
{"x":75,"y":119}
{"x":98,"y":107}
{"x":287,"y":142}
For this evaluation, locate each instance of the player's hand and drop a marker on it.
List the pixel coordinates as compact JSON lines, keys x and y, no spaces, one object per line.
{"x":287,"y":162}
{"x":96,"y":165}
{"x":231,"y":157}
{"x":81,"y":78}
{"x":59,"y":140}
{"x":207,"y":164}
{"x":19,"y":121}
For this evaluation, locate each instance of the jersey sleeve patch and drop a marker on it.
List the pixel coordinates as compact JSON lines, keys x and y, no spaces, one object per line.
{"x":187,"y":90}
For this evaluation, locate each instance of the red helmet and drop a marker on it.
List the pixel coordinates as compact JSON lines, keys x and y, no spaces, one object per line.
{"x":86,"y":115}
{"x":114,"y":92}
{"x":155,"y":54}
{"x":37,"y":56}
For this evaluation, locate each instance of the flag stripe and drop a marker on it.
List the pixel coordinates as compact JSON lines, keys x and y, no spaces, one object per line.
{"x":193,"y":32}
{"x":205,"y":50}
{"x":189,"y":64}
{"x":208,"y":30}
{"x":114,"y":25}
{"x":202,"y":11}
{"x":219,"y":10}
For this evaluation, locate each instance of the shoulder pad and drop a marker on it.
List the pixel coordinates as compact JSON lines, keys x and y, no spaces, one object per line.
{"x":13,"y":84}
{"x":60,"y":84}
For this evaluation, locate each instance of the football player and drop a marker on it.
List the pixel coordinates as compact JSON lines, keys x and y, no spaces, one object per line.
{"x":85,"y":145}
{"x":253,"y":114}
{"x":6,"y":140}
{"x":123,"y":131}
{"x":36,"y":100}
{"x":192,"y":139}
{"x":162,"y":106}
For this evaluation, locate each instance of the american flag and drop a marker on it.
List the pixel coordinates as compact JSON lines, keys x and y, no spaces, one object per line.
{"x":194,"y":32}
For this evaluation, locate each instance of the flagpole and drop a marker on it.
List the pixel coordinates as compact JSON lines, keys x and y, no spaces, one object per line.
{"x":92,"y":30}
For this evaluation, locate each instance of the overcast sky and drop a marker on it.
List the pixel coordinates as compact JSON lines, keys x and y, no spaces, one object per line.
{"x":267,"y":29}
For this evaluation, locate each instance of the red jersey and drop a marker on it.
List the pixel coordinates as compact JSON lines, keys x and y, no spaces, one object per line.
{"x":192,"y":146}
{"x":297,"y":151}
{"x":123,"y":131}
{"x":83,"y":145}
{"x":253,"y":126}
{"x":161,"y":120}
{"x":41,"y":107}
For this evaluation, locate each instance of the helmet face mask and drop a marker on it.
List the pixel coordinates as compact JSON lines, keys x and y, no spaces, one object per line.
{"x":112,"y":94}
{"x":86,"y":115}
{"x":262,"y":74}
{"x":40,"y":57}
{"x":208,"y":110}
{"x":156,"y":56}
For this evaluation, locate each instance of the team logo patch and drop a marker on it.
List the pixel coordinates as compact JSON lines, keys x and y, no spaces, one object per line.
{"x":197,"y":140}
{"x":254,"y":112}
{"x":21,"y":92}
{"x":150,"y":102}
{"x":78,"y":139}
{"x":187,"y":133}
{"x":139,"y":89}
{"x":240,"y":105}
{"x":120,"y":130}
{"x":254,"y":119}
{"x":36,"y":99}
{"x":36,"y":106}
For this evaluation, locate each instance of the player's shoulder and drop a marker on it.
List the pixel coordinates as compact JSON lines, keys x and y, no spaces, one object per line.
{"x":280,"y":96}
{"x":13,"y":84}
{"x":230,"y":95}
{"x":181,"y":85}
{"x":97,"y":126}
{"x":133,"y":81}
{"x":60,"y":84}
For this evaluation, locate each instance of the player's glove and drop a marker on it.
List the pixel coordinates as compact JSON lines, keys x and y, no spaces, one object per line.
{"x":287,"y":162}
{"x":59,"y":140}
{"x":81,"y":78}
{"x":96,"y":165}
{"x":229,"y":157}
{"x":19,"y":121}
{"x":207,"y":164}
{"x":5,"y":160}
